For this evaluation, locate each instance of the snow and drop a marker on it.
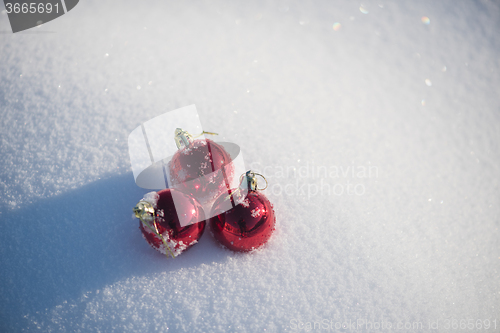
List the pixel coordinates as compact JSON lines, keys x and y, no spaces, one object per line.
{"x":152,"y":198}
{"x":416,"y":240}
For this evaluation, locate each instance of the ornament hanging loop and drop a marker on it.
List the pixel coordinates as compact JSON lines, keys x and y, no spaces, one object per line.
{"x":183,"y":137}
{"x":267,"y":184}
{"x":205,"y":132}
{"x":250,"y":178}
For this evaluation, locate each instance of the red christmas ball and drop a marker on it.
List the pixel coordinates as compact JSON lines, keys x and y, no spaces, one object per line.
{"x":171,"y":207}
{"x":202,"y":169}
{"x":246,"y":226}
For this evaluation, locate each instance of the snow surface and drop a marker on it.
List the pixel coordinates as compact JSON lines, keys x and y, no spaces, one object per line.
{"x":400,"y":115}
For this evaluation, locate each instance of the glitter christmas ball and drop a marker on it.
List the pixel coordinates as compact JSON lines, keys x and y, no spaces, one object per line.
{"x":202,"y":169}
{"x":247,"y":225}
{"x":172,"y":210}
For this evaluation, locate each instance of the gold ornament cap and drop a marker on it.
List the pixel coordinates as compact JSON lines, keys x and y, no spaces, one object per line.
{"x":248,"y":181}
{"x":183,"y":137}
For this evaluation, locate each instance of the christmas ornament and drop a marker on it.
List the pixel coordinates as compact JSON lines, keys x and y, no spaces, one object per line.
{"x":243,"y":218}
{"x":161,"y":215}
{"x":200,"y":168}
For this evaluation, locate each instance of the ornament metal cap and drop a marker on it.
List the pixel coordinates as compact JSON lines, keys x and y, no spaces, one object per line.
{"x":250,"y":180}
{"x":184,"y":137}
{"x":145,"y":212}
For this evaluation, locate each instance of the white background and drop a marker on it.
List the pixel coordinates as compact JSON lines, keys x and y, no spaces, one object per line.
{"x":419,"y":241}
